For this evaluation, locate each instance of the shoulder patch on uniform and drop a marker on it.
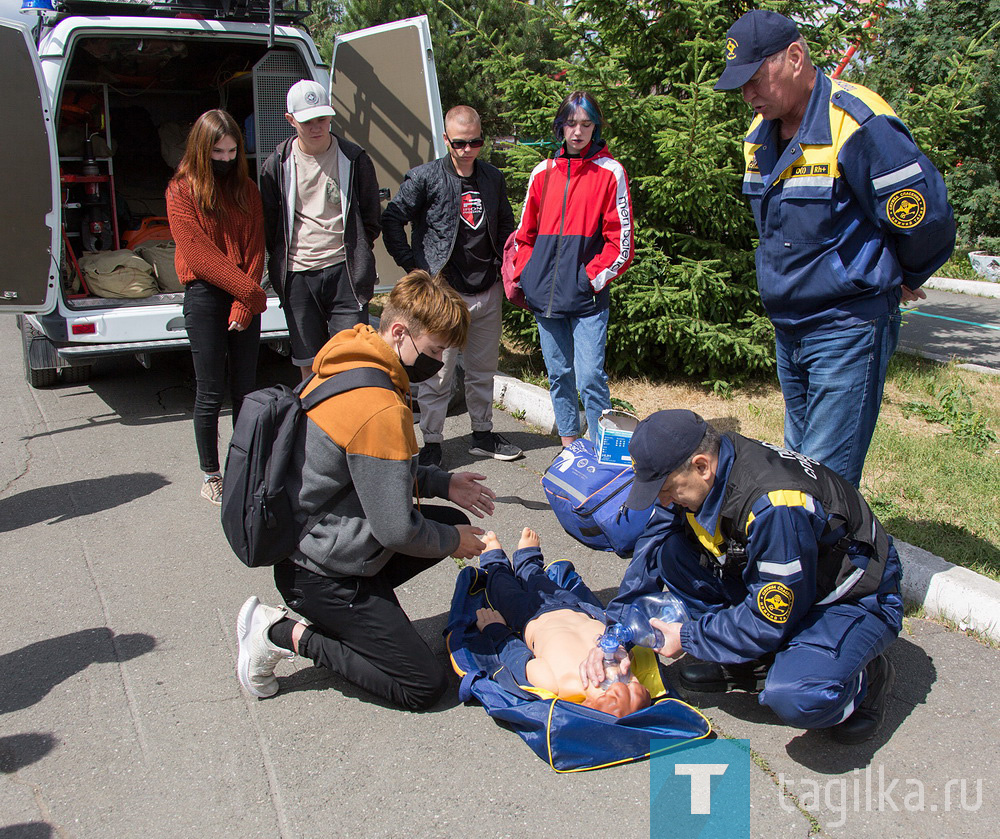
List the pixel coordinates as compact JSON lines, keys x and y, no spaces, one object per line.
{"x":774,"y":601}
{"x":906,"y":208}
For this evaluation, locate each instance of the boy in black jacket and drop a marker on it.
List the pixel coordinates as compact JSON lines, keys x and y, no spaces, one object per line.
{"x":460,"y":218}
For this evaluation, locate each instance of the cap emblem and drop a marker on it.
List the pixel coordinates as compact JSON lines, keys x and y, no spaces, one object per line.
{"x":731,"y":45}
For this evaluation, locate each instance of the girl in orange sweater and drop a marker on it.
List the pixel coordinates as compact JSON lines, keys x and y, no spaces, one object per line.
{"x":216,"y":219}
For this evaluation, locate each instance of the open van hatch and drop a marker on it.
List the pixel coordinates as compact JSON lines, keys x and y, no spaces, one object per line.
{"x":135,"y":98}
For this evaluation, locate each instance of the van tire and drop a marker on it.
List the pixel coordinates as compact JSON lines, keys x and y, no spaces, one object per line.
{"x":46,"y":377}
{"x":75,"y":375}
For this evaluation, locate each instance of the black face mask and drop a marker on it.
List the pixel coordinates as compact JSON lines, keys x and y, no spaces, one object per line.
{"x":423,"y":368}
{"x":223,"y":167}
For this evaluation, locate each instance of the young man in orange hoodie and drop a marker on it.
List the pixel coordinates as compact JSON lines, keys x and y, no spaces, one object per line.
{"x":355,"y":475}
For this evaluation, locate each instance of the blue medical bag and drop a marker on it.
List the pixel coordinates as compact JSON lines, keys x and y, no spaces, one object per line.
{"x":588,"y":498}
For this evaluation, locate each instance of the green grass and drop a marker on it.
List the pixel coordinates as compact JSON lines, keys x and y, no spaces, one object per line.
{"x":959,"y":268}
{"x":932,"y":475}
{"x":930,"y":484}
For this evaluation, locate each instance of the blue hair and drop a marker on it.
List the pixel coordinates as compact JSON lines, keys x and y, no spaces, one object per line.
{"x":578,"y":99}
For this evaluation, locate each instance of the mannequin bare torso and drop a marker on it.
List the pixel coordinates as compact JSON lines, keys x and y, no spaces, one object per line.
{"x":560,"y":640}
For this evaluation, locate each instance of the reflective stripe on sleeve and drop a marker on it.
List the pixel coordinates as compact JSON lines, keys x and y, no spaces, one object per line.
{"x":780,"y":569}
{"x":900,"y":175}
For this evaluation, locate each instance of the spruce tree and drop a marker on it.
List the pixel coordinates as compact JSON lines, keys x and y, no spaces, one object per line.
{"x":938,"y":64}
{"x":689,"y":303}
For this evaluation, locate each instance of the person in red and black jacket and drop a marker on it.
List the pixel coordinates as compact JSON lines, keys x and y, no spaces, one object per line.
{"x":575,"y":237}
{"x":217,"y":220}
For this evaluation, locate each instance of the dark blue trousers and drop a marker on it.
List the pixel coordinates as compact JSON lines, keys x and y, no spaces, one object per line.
{"x":817,"y":679}
{"x":526,"y":589}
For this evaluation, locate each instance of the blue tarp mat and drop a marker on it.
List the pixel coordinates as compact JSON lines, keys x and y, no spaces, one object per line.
{"x":567,"y":736}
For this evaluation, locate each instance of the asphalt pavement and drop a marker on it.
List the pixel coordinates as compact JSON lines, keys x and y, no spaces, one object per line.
{"x":952,"y":326}
{"x":120,"y":714}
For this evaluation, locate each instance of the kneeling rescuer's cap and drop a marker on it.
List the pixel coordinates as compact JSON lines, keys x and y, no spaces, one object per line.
{"x":661,"y":443}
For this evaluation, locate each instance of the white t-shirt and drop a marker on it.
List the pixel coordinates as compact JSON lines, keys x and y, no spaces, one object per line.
{"x":318,"y":228}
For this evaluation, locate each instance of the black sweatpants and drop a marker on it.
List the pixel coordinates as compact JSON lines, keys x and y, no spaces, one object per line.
{"x":359,"y":630}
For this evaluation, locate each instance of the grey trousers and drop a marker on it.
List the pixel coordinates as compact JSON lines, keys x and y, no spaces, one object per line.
{"x":481,"y":354}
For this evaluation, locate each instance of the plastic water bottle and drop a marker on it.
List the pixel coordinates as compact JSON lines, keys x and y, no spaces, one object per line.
{"x":634,"y":626}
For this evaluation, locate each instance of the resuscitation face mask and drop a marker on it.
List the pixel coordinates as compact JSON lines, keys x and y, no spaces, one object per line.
{"x":423,"y":368}
{"x":223,"y":167}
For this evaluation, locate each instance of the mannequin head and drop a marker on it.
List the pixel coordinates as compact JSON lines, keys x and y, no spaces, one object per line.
{"x":621,"y":698}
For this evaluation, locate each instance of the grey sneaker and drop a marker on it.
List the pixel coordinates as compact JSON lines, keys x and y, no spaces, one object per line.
{"x":430,"y":455}
{"x":258,"y":654}
{"x":211,"y":490}
{"x":490,"y":444}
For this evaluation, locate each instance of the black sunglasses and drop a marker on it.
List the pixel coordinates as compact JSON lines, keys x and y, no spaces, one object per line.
{"x":461,"y":144}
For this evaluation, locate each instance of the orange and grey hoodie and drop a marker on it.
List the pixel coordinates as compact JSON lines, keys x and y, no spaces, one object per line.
{"x":355,"y":471}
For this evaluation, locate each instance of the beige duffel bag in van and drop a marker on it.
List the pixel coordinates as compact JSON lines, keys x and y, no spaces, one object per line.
{"x":118,"y":274}
{"x":161,"y":256}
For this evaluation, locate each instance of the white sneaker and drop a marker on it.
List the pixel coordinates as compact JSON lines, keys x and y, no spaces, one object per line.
{"x":258,"y":654}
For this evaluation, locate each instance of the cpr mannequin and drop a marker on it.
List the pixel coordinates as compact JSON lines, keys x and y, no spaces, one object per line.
{"x":558,"y":621}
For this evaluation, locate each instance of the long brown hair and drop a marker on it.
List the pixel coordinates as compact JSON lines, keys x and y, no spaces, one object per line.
{"x":196,"y":165}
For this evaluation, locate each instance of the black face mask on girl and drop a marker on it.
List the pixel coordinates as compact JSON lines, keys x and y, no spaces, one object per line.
{"x":223,"y":167}
{"x":423,"y":368}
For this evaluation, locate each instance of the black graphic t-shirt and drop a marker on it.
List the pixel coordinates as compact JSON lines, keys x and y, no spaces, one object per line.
{"x":472,"y":267}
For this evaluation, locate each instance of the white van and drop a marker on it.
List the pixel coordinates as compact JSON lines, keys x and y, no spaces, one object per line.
{"x":98,"y":98}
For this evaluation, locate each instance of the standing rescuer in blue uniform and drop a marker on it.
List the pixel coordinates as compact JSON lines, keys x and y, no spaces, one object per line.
{"x":791,"y":582}
{"x":852,"y":219}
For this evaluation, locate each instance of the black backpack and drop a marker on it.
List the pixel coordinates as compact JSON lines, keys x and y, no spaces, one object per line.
{"x":258,"y":516}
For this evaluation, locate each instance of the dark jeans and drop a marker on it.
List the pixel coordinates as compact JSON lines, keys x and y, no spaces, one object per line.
{"x":206,"y":318}
{"x":528,"y":589}
{"x":318,"y":305}
{"x":359,"y":630}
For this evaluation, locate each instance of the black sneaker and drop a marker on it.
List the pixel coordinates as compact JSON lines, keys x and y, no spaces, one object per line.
{"x":430,"y":455}
{"x":868,"y":717}
{"x":488,"y":444}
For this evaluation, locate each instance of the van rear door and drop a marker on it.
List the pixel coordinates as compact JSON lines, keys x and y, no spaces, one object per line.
{"x":384,"y":88}
{"x":29,"y":191}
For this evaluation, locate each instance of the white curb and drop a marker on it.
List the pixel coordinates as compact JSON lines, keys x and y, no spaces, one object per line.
{"x":949,"y":591}
{"x":515,"y":396}
{"x":974,"y":287}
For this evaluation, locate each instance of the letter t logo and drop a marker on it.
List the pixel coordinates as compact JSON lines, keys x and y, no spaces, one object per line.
{"x":701,"y":784}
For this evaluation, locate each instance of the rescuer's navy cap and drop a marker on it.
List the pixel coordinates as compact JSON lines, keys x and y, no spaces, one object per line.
{"x":755,"y":36}
{"x":661,"y":443}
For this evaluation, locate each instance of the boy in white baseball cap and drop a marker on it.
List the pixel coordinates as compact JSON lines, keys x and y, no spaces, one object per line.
{"x":321,"y":218}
